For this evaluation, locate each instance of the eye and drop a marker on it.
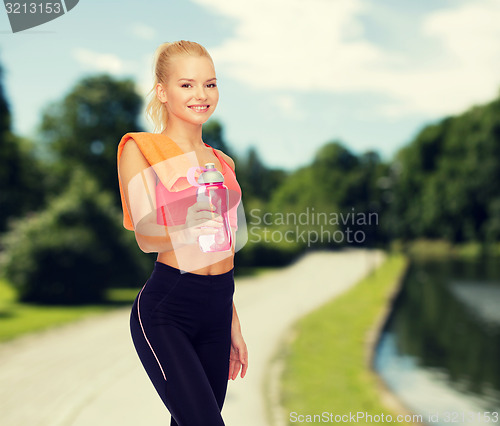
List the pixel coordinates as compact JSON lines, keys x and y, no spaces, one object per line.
{"x":185,"y":85}
{"x":211,"y":85}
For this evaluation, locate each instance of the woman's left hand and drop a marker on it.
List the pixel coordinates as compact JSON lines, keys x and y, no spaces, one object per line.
{"x":238,"y":357}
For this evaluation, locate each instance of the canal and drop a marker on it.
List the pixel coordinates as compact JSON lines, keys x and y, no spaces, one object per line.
{"x":439,"y":351}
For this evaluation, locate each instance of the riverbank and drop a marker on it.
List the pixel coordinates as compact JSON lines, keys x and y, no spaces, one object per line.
{"x":424,"y":248}
{"x":327,"y":354}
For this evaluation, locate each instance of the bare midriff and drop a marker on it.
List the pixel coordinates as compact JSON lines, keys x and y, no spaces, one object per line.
{"x":191,"y":257}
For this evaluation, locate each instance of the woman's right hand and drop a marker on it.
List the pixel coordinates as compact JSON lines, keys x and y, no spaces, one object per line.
{"x":201,"y":219}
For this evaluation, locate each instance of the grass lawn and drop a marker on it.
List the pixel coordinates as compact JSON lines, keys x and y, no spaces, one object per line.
{"x":17,"y":318}
{"x":325,"y":368}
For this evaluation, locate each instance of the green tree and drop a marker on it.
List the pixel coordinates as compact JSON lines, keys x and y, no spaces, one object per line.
{"x":339,"y":192}
{"x":21,"y":187}
{"x":449,"y":177}
{"x":213,"y":136}
{"x":256,"y":180}
{"x":72,"y":251}
{"x":85,"y":127}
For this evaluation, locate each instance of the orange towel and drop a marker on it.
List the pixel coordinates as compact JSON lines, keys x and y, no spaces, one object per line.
{"x":156,"y":148}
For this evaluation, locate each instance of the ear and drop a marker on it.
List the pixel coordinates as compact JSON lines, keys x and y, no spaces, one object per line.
{"x":160,"y":93}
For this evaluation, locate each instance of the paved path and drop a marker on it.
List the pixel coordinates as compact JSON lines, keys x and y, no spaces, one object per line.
{"x":88,"y":373}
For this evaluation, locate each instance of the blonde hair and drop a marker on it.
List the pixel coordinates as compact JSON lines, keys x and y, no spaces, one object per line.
{"x":163,"y":56}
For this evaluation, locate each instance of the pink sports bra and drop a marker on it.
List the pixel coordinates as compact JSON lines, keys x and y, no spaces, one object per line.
{"x":172,"y":206}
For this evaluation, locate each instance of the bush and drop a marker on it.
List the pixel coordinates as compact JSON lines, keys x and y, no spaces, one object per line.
{"x":259,"y":251}
{"x":74,"y":250}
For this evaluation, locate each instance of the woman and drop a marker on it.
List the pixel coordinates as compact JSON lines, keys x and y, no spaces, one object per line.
{"x":183,"y":322}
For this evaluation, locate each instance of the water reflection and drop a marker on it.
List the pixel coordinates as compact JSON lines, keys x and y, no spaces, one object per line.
{"x":440,"y":350}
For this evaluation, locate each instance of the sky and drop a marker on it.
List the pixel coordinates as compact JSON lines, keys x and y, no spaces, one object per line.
{"x":292,"y":74}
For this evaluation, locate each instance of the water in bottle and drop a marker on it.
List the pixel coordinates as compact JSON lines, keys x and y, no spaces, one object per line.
{"x":211,"y":189}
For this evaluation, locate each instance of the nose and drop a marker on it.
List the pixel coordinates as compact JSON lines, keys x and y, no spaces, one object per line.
{"x":200,"y":93}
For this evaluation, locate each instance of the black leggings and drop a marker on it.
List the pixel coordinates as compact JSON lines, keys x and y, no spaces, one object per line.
{"x":181,"y":329}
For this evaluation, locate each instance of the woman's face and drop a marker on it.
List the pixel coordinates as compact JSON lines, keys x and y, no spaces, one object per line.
{"x":191,"y":92}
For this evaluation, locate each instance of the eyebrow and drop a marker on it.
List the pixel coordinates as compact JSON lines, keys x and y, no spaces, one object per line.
{"x":190,"y":79}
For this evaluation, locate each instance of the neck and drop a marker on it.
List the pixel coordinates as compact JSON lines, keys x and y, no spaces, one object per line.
{"x":187,"y":136}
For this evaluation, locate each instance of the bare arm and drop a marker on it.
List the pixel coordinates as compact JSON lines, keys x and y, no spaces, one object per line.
{"x":238,"y":357}
{"x":138,"y":183}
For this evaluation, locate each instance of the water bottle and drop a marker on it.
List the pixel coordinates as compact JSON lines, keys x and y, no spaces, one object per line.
{"x":211,"y":189}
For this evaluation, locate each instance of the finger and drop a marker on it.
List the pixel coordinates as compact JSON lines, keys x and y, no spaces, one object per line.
{"x":244,"y":370}
{"x":206,"y":213}
{"x":231,"y":368}
{"x":209,"y":221}
{"x":236,"y":370}
{"x":212,"y":222}
{"x":205,"y":206}
{"x":207,"y":230}
{"x":208,"y":224}
{"x":244,"y":361}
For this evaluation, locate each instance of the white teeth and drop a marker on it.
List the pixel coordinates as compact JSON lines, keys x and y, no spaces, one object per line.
{"x":199,"y":108}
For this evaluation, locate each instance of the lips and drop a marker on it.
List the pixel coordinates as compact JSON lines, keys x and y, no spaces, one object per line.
{"x":199,"y":108}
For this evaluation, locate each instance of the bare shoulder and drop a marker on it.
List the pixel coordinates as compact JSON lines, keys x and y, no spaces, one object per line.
{"x":132,"y":160}
{"x":227,"y":159}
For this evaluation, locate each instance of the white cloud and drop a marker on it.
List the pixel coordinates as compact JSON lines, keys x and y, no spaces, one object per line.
{"x":319,"y":45}
{"x":99,"y":61}
{"x":471,"y":35}
{"x":288,"y":106}
{"x":280,"y":44}
{"x":143,"y":31}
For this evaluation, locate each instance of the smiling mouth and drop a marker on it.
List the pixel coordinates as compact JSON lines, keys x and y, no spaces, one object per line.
{"x":199,"y":108}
